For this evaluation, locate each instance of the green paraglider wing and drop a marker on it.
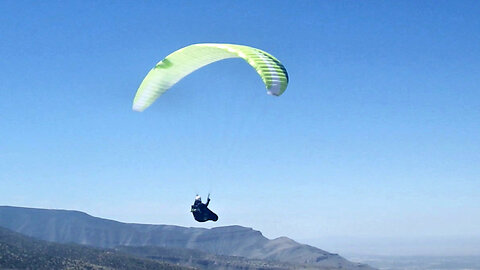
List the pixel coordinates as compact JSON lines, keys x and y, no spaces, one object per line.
{"x":188,"y":59}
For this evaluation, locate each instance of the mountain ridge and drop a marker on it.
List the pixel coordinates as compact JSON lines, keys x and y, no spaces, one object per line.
{"x":64,"y":226}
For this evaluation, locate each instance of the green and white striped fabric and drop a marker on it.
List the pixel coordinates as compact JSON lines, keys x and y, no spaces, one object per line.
{"x":188,"y":59}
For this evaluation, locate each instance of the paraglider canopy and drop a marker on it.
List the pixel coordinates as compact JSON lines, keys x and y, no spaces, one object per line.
{"x":188,"y":59}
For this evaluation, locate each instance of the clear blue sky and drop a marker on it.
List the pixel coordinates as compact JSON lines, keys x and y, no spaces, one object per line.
{"x":376,"y":138}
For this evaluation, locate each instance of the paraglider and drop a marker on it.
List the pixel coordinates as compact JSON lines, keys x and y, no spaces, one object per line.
{"x":184,"y":61}
{"x":200,"y":211}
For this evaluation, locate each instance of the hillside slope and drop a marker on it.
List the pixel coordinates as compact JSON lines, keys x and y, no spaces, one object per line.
{"x":21,"y":252}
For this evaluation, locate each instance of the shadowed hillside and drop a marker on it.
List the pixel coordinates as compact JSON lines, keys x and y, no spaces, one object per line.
{"x":21,"y":252}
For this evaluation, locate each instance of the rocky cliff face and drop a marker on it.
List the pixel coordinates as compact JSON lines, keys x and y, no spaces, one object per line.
{"x":72,"y":226}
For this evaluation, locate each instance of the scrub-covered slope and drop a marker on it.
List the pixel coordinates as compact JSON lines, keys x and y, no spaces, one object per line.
{"x":22,"y":252}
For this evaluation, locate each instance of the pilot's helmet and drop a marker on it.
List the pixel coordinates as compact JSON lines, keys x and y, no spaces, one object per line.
{"x":198,"y":198}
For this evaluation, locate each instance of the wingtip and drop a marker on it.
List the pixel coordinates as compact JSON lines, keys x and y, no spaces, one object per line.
{"x":137,"y":109}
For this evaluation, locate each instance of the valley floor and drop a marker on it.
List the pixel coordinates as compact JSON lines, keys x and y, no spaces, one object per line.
{"x":421,"y":262}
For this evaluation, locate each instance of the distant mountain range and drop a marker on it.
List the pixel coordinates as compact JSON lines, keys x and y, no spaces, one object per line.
{"x":22,"y":252}
{"x":63,"y":226}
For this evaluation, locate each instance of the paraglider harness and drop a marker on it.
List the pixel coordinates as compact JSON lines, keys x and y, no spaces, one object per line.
{"x":200,"y":211}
